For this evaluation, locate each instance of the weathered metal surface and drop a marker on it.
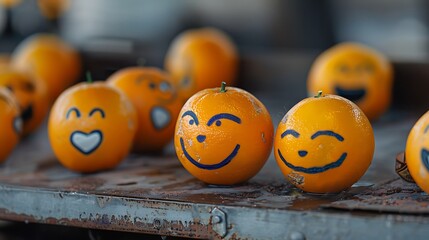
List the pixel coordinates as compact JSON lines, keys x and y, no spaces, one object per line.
{"x":154,"y":194}
{"x":396,"y":196}
{"x":196,"y":221}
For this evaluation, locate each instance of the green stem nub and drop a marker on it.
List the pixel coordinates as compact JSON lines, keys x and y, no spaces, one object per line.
{"x":88,"y":77}
{"x":319,"y":94}
{"x":222,"y":87}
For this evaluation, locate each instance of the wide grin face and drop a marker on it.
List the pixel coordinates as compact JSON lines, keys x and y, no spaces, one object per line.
{"x":351,"y":79}
{"x":214,"y":120}
{"x":85,"y":142}
{"x":303,"y":153}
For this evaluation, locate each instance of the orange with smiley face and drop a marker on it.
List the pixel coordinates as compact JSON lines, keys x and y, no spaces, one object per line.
{"x":10,"y":122}
{"x":355,"y":72}
{"x":85,"y":124}
{"x":200,"y":59}
{"x":223,"y":137}
{"x":50,"y":60}
{"x":156,"y":102}
{"x":31,"y":96}
{"x":417,"y":152}
{"x":324,"y":144}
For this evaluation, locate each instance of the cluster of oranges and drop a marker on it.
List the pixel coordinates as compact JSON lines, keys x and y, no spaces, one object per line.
{"x":39,"y":69}
{"x":223,"y":135}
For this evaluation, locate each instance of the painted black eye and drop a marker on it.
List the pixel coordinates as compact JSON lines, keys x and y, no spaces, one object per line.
{"x":218,"y":123}
{"x":29,"y":87}
{"x":343,"y":68}
{"x":191,"y":122}
{"x":152,"y":85}
{"x":9,"y":87}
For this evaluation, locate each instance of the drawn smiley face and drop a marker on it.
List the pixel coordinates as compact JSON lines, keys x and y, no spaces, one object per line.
{"x":223,"y":138}
{"x":85,"y":124}
{"x":86,"y":142}
{"x":303,"y":153}
{"x":11,"y":123}
{"x":155,"y":99}
{"x":417,"y":152}
{"x":355,"y":72}
{"x":324,"y":144}
{"x":201,"y":138}
{"x":31,"y":97}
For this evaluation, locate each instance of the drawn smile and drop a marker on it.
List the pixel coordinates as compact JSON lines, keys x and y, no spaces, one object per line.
{"x":350,"y":94}
{"x":210,"y":166}
{"x":313,"y":170}
{"x":86,"y":143}
{"x":27,"y":114}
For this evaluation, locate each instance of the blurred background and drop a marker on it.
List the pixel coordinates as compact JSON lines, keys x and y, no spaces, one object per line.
{"x":278,"y":40}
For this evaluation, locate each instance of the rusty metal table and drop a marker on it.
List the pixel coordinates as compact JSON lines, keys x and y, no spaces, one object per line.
{"x":155,"y":195}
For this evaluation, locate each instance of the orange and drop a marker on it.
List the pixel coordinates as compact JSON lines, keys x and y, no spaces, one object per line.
{"x":156,"y":102}
{"x":10,"y":123}
{"x":223,"y":136}
{"x":91,"y":127}
{"x":417,"y":152}
{"x":52,"y":9}
{"x":201,"y":58}
{"x":31,"y":96}
{"x":324,"y":144}
{"x":356,"y":72}
{"x":50,"y":60}
{"x":9,"y":3}
{"x":4,"y":60}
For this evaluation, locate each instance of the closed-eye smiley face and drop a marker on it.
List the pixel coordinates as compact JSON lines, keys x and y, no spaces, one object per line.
{"x":91,"y":127}
{"x":86,"y":142}
{"x":417,"y":152}
{"x":355,"y":72}
{"x":323,"y":166}
{"x":223,"y":138}
{"x":11,"y":123}
{"x":155,"y":99}
{"x":216,"y":120}
{"x":31,"y":97}
{"x":324,"y":144}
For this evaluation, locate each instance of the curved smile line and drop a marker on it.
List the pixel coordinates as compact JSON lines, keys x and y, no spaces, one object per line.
{"x":351,"y":94}
{"x":313,"y":170}
{"x":210,"y":166}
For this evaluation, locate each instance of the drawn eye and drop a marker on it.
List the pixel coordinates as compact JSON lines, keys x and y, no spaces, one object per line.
{"x":290,"y":132}
{"x":9,"y":87}
{"x":95,"y":110}
{"x":152,"y":85}
{"x":343,"y":68}
{"x":71,"y":110}
{"x":216,"y":119}
{"x":194,"y":117}
{"x":29,"y":87}
{"x":329,"y":134}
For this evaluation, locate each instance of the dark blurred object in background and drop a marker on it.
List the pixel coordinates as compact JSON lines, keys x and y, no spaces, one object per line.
{"x":278,"y":40}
